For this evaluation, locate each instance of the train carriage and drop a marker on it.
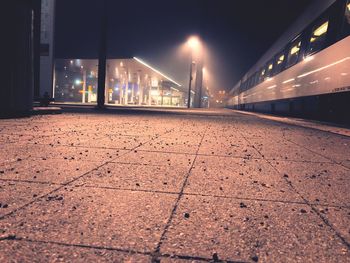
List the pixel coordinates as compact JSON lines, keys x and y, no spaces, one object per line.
{"x":307,"y":72}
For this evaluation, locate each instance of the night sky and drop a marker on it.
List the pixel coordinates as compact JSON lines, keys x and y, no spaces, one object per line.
{"x":235,"y":32}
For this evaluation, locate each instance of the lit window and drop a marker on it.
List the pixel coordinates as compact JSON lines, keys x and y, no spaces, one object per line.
{"x":347,"y":12}
{"x":294,"y":51}
{"x":318,"y":37}
{"x":269,"y":70}
{"x":280,"y":60}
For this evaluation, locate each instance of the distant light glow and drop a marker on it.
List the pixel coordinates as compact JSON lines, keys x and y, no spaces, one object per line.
{"x":78,"y":82}
{"x":193,"y":42}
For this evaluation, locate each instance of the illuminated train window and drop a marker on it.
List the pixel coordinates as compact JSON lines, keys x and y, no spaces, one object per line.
{"x":279,"y":63}
{"x":294,"y":52}
{"x":269,"y":69}
{"x":262,"y":75}
{"x":347,"y":19}
{"x":318,"y":37}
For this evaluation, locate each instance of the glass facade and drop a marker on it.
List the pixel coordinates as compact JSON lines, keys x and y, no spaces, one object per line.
{"x":75,"y":81}
{"x":129,"y":82}
{"x":133,"y":82}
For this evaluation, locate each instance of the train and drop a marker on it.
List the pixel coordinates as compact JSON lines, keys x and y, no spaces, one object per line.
{"x":306,"y":72}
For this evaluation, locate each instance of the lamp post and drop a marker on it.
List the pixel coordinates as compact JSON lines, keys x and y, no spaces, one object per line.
{"x":193,"y":43}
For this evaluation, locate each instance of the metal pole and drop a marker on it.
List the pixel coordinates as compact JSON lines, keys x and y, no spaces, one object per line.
{"x":102,"y":58}
{"x":189,"y":86}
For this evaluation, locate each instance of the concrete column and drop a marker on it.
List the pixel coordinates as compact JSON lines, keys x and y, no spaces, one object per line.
{"x":102,"y":58}
{"x":140,"y":94}
{"x":132,"y":92}
{"x":127,"y":92}
{"x":198,"y":85}
{"x":84,"y":87}
{"x":16,"y":92}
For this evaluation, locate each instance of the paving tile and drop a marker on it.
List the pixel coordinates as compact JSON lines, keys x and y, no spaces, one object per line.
{"x":16,"y":194}
{"x":74,"y":153}
{"x":227,"y":147}
{"x":279,"y":149}
{"x":46,"y":170}
{"x":157,"y":158}
{"x":10,"y":152}
{"x":239,"y":178}
{"x":136,"y":177}
{"x":117,"y":142}
{"x":177,"y":145}
{"x":81,"y":138}
{"x":95,"y":217}
{"x":272,"y":232}
{"x":339,"y":217}
{"x":320,"y":183}
{"x":334,"y":147}
{"x":23,"y":251}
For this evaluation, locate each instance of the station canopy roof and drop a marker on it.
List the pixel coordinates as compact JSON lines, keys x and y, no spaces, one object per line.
{"x":137,"y":68}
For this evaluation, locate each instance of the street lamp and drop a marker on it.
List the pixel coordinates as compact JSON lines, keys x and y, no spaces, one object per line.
{"x":193,"y":43}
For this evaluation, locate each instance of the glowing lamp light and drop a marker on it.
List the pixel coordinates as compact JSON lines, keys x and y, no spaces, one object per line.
{"x":78,"y":82}
{"x":193,"y":42}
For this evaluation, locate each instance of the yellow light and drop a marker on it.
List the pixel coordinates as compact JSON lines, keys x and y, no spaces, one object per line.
{"x":280,"y":60}
{"x":348,"y":6}
{"x":270,"y":66}
{"x":295,"y":49}
{"x":321,"y":30}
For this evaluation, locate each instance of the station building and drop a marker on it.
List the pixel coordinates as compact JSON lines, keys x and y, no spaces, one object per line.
{"x":129,"y":81}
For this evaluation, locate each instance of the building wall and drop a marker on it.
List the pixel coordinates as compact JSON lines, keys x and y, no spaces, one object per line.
{"x":47,"y":46}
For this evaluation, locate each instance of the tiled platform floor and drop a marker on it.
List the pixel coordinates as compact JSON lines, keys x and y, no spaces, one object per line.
{"x":172,"y":188}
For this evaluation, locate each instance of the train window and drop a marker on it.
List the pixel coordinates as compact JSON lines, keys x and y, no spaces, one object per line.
{"x":262,"y":75}
{"x":269,"y":69}
{"x":279,"y":62}
{"x":254,"y":79}
{"x":346,"y":28}
{"x":318,"y":37}
{"x":294,"y":52}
